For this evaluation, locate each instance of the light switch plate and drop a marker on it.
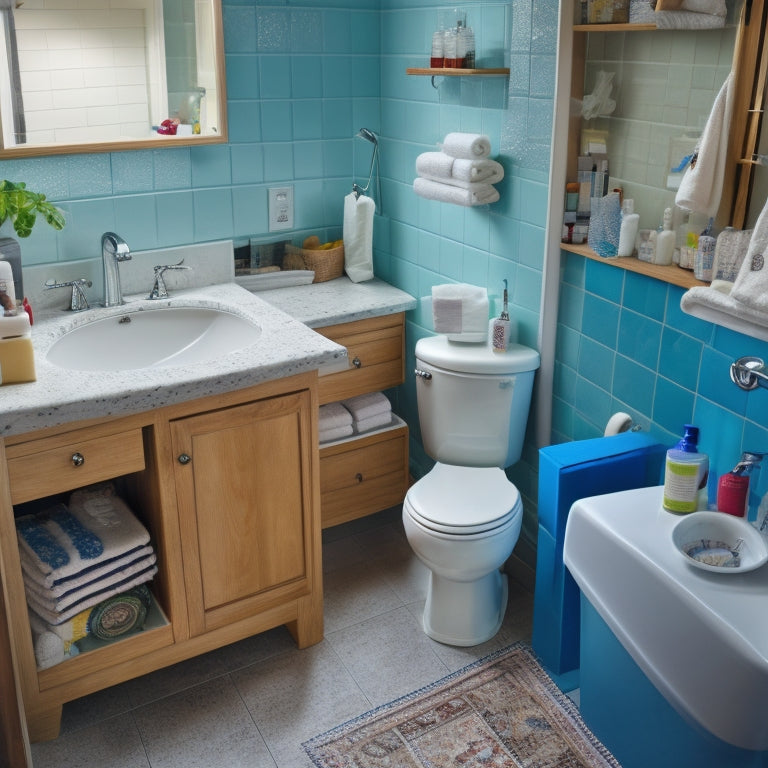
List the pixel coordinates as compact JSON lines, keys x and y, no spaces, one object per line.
{"x":280,"y":208}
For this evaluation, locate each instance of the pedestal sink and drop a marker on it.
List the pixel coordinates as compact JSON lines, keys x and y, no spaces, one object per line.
{"x":153,"y":338}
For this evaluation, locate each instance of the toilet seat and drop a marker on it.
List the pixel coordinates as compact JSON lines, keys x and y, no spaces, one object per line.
{"x":463,"y":500}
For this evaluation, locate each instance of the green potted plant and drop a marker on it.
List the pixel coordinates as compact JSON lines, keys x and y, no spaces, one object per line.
{"x":22,"y":206}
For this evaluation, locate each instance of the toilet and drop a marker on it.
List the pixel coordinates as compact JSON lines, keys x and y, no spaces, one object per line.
{"x":463,"y":518}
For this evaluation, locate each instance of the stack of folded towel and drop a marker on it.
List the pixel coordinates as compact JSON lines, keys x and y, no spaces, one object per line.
{"x":461,"y":173}
{"x":369,"y":411}
{"x":77,"y":556}
{"x":460,"y":311}
{"x":335,"y":422}
{"x":691,"y":14}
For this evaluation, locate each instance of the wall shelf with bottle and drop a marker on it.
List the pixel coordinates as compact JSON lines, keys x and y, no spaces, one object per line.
{"x":668,"y":274}
{"x":452,"y":72}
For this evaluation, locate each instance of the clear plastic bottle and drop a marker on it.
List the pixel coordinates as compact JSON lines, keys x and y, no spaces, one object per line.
{"x":630,"y":223}
{"x":437,"y":56}
{"x":665,"y":241}
{"x":469,"y":47}
{"x":685,"y":473}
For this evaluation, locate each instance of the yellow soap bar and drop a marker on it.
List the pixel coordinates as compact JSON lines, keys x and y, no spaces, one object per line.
{"x":17,"y":360}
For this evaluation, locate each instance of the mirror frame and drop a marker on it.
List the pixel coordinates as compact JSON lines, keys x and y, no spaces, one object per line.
{"x":222,"y":137}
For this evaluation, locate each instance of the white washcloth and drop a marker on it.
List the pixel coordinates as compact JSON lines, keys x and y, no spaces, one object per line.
{"x":466,"y":145}
{"x":59,"y":603}
{"x":702,"y":184}
{"x":459,"y":308}
{"x":57,"y":618}
{"x":751,"y":284}
{"x":333,"y":415}
{"x":716,"y":307}
{"x":358,"y":237}
{"x":374,"y":422}
{"x":441,"y":167}
{"x":63,"y":542}
{"x":367,"y":405}
{"x":473,"y":194}
{"x":335,"y":433}
{"x":49,"y":647}
{"x":687,"y":20}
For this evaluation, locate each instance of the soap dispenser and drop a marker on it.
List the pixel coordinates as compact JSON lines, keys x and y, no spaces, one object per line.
{"x":500,"y":334}
{"x":685,"y":473}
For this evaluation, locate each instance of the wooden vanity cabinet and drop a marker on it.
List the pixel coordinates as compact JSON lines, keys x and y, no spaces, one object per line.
{"x":236,"y":529}
{"x":367,"y":473}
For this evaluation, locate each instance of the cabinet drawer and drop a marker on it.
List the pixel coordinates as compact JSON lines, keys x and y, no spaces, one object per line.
{"x":53,"y":465}
{"x":364,"y":475}
{"x":375,"y":354}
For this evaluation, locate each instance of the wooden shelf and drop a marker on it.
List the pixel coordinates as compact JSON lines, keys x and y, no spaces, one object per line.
{"x":614,"y":27}
{"x":450,"y":72}
{"x":671,"y":274}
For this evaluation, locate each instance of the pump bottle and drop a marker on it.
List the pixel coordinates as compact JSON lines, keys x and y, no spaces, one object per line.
{"x":685,"y":473}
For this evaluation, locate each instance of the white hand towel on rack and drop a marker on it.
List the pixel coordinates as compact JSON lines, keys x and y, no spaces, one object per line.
{"x":358,"y":237}
{"x":435,"y":165}
{"x":466,"y":145}
{"x":702,"y":185}
{"x":473,"y":194}
{"x":486,"y":170}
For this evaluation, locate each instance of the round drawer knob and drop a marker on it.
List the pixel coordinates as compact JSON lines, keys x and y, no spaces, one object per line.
{"x":184,"y":458}
{"x":357,"y":362}
{"x":78,"y":459}
{"x":359,"y":477}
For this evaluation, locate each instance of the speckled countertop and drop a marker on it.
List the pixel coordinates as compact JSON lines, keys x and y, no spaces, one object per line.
{"x":286,"y":346}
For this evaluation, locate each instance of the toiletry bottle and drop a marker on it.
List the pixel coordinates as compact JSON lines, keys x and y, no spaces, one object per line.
{"x":685,"y":473}
{"x":437,"y":57}
{"x":665,"y":241}
{"x":733,"y":488}
{"x":500,"y":335}
{"x":630,"y":222}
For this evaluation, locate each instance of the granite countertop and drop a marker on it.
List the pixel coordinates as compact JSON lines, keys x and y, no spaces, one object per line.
{"x":287,"y":346}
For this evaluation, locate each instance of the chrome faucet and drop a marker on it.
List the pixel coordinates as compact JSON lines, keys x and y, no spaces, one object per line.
{"x":749,"y":373}
{"x":113,"y":250}
{"x":159,"y":288}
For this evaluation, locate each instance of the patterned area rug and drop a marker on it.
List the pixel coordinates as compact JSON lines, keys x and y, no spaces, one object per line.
{"x":500,"y":712}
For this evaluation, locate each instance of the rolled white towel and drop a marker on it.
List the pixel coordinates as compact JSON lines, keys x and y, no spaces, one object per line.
{"x":435,"y":165}
{"x":335,"y":433}
{"x":486,"y":170}
{"x":466,"y":145}
{"x":374,"y":422}
{"x":367,"y":405}
{"x":333,"y":415}
{"x":473,"y":194}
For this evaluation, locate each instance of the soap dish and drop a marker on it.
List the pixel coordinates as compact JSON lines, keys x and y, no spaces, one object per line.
{"x":720,"y":543}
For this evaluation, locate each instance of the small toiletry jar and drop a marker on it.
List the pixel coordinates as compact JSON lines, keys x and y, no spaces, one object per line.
{"x":17,"y":358}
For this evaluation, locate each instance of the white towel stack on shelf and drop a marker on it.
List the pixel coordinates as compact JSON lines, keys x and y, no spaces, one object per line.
{"x":369,"y":411}
{"x":461,"y":173}
{"x":335,"y":422}
{"x":460,"y":311}
{"x":74,"y":557}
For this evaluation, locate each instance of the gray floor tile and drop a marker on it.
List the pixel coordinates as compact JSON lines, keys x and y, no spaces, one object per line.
{"x":388,"y":656}
{"x":102,"y":705}
{"x":113,"y":743}
{"x":207,"y":726}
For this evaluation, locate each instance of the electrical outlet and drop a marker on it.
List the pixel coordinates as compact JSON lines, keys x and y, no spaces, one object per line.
{"x":280,"y":208}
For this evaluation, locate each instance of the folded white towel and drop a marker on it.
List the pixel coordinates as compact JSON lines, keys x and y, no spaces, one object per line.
{"x":374,"y":422}
{"x":687,"y":20}
{"x":702,"y":184}
{"x":367,"y":405}
{"x":751,"y":284}
{"x":441,"y":167}
{"x":712,"y":7}
{"x":62,"y":542}
{"x":473,"y":194}
{"x":57,"y":618}
{"x":459,"y":308}
{"x":335,"y":433}
{"x":466,"y":145}
{"x":358,"y":237}
{"x":59,"y":603}
{"x":333,"y":415}
{"x":716,"y":307}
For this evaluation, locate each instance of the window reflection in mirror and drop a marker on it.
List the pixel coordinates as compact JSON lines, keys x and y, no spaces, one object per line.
{"x":76,"y":73}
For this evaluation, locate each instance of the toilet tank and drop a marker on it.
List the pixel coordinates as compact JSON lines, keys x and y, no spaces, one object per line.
{"x":473,"y":402}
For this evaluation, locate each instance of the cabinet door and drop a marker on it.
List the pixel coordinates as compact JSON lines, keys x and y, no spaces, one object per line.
{"x":243,"y":483}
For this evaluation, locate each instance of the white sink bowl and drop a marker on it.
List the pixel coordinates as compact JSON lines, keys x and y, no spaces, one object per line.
{"x":700,"y":637}
{"x":153,"y":338}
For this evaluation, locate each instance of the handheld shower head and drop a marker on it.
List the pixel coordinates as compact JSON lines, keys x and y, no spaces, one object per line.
{"x":368,"y":135}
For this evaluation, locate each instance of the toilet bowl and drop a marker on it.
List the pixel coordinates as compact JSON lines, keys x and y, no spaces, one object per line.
{"x":462,"y":523}
{"x":463,"y":518}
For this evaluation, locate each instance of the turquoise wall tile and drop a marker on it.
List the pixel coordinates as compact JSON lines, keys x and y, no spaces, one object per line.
{"x":213,"y":214}
{"x":249,"y":210}
{"x":595,"y":363}
{"x":337,"y":77}
{"x":274,"y":77}
{"x":240,"y":29}
{"x":132,"y":172}
{"x":645,"y":295}
{"x":633,"y":383}
{"x":211,"y":166}
{"x":309,"y":210}
{"x":679,"y":358}
{"x":87,"y":220}
{"x":306,"y":31}
{"x":672,"y":405}
{"x":89,"y":175}
{"x":335,"y":34}
{"x":242,"y":76}
{"x":337,"y":119}
{"x":308,"y":159}
{"x":278,"y":162}
{"x":307,"y":119}
{"x":244,"y":121}
{"x":247,"y":163}
{"x":364,"y":33}
{"x":306,"y":77}
{"x":135,"y":220}
{"x":172,"y":168}
{"x":601,"y":320}
{"x":604,"y":280}
{"x":639,"y":338}
{"x":174,"y":213}
{"x":273,"y":30}
{"x":715,"y":383}
{"x":276,"y":121}
{"x":337,"y":158}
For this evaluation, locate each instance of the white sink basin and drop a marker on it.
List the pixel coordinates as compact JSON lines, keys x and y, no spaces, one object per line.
{"x":700,"y":637}
{"x":153,"y":338}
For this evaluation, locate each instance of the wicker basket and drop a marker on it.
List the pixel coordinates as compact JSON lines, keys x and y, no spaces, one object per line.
{"x":326,"y":264}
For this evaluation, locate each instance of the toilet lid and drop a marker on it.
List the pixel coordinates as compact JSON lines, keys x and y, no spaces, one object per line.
{"x":463,"y":500}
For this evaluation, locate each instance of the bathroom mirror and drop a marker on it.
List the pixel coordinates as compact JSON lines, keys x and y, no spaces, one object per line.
{"x":109,"y":75}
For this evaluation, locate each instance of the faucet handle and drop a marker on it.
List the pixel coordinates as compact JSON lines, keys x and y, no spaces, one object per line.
{"x":159,"y":289}
{"x":78,"y":300}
